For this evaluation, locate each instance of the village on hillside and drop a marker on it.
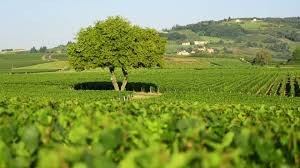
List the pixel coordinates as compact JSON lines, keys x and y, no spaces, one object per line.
{"x":198,"y":46}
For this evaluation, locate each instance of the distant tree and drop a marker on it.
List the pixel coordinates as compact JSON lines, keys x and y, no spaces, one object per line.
{"x":251,"y":44}
{"x":33,"y":50}
{"x":270,"y":39}
{"x":263,"y":57}
{"x":174,"y":36}
{"x":227,"y":19}
{"x":291,"y":35}
{"x":221,"y":42}
{"x":296,"y":55}
{"x":43,"y":49}
{"x":69,"y":42}
{"x":279,"y":47}
{"x":227,"y":51}
{"x":116,"y":43}
{"x":7,"y":50}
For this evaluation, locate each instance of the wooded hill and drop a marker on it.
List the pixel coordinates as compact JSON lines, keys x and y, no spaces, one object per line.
{"x":241,"y":37}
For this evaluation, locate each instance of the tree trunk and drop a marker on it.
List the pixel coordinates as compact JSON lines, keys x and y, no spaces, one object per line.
{"x":125,"y":80}
{"x":114,"y":79}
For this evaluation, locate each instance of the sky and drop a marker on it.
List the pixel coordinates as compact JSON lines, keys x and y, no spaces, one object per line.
{"x":27,"y":23}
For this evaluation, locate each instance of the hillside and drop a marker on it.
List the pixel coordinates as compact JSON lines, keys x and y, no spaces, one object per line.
{"x":23,"y":62}
{"x":239,"y":37}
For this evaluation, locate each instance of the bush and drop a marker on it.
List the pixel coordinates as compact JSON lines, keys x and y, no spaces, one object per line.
{"x":263,"y":57}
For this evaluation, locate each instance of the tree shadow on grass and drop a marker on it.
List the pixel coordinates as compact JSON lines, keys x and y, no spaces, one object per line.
{"x":131,"y":86}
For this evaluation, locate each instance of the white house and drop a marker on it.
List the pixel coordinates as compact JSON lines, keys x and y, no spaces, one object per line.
{"x":210,"y":50}
{"x":203,"y":49}
{"x":186,"y":44}
{"x":19,"y":50}
{"x":238,"y":21}
{"x":200,"y":43}
{"x":183,"y":53}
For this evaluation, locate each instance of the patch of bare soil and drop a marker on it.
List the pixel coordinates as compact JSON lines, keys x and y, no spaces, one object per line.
{"x":144,"y":95}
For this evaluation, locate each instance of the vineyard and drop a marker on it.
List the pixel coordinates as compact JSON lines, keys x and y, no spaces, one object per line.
{"x":263,"y":83}
{"x":230,"y":115}
{"x":41,"y":133}
{"x":145,"y":84}
{"x":247,"y":86}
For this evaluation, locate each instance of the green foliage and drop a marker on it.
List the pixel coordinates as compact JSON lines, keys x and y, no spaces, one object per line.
{"x":214,"y":29}
{"x":43,"y":49}
{"x":249,"y":34}
{"x":263,"y":57}
{"x":279,"y":47}
{"x":251,"y":44}
{"x":211,"y":80}
{"x":291,"y":35}
{"x":116,"y":43}
{"x":175,"y":36}
{"x":296,"y":55}
{"x":33,"y":50}
{"x":117,"y":134}
{"x":47,"y":125}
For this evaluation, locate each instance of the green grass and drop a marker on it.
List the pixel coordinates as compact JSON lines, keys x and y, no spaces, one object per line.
{"x":255,"y":26}
{"x":15,"y":60}
{"x":192,"y":36}
{"x":29,"y":62}
{"x":50,"y":65}
{"x":214,"y":39}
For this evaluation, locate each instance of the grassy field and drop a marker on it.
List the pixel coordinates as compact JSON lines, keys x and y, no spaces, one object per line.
{"x":49,"y":65}
{"x":255,"y":26}
{"x":10,"y":61}
{"x":202,"y":112}
{"x":23,"y":62}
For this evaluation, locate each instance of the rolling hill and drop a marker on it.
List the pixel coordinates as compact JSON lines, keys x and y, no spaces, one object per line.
{"x":239,"y":37}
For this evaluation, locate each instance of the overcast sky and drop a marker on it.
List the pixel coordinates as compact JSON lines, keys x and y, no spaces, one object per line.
{"x":27,"y":23}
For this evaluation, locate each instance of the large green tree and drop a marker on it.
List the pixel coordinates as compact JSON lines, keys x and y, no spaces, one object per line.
{"x":116,"y":43}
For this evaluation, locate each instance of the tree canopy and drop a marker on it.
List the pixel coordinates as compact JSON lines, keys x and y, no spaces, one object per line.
{"x":33,"y":50}
{"x":116,"y":43}
{"x":43,"y":49}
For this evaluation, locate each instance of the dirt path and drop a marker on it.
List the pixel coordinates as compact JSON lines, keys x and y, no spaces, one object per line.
{"x":143,"y":95}
{"x":47,"y":57}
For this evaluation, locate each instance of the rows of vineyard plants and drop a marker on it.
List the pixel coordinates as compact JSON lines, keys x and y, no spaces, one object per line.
{"x":262,"y":83}
{"x":250,"y":86}
{"x":55,"y":134}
